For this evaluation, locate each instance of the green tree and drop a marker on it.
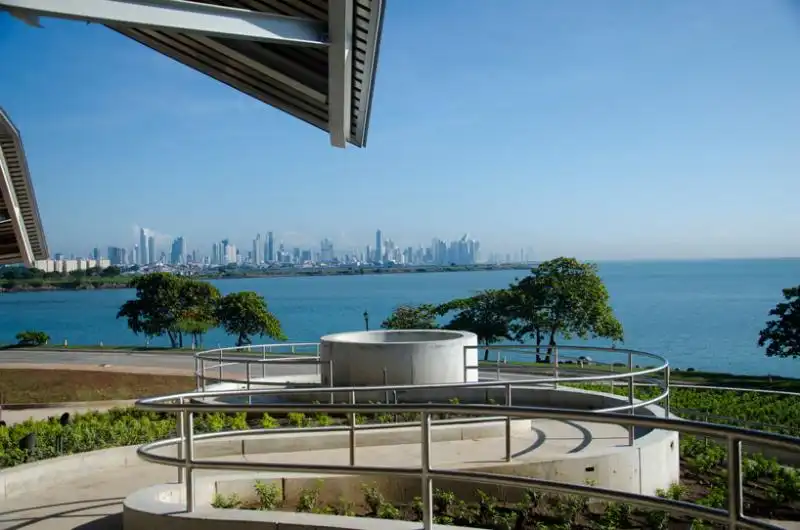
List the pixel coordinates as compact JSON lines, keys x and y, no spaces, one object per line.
{"x":527,"y":309}
{"x":781,"y":335}
{"x":245,"y":314}
{"x":486,"y":314}
{"x":111,"y":271}
{"x":568,"y":298}
{"x":165,"y":303}
{"x":32,"y":338}
{"x":412,"y":317}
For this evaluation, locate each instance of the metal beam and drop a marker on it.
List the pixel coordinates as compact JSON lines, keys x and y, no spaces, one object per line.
{"x":179,"y":15}
{"x":10,"y":198}
{"x":340,"y":70}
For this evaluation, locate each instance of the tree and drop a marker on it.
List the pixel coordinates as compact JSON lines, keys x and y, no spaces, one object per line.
{"x":166,"y":303}
{"x":567,"y":298}
{"x":412,"y":317}
{"x":781,"y":335}
{"x":245,"y":314}
{"x":111,"y":271}
{"x":485,"y":314}
{"x":32,"y":338}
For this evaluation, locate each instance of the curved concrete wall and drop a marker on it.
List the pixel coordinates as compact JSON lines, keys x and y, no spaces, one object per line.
{"x":406,"y":357}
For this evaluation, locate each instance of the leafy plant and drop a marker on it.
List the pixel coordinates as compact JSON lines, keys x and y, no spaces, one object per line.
{"x":269,"y":495}
{"x":32,"y":338}
{"x":228,"y":502}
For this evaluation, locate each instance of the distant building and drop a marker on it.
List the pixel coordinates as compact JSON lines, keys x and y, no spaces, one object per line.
{"x":378,"y":246}
{"x":117,"y":255}
{"x":143,"y":255}
{"x":151,"y":249}
{"x":270,"y":247}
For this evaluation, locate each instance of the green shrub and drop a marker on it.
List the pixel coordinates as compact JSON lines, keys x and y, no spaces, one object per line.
{"x":269,"y":495}
{"x":32,"y":338}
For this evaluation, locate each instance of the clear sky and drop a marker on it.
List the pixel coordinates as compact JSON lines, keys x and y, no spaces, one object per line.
{"x":608,"y":129}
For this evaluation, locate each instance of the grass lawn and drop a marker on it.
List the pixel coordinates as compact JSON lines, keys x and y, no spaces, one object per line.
{"x":56,"y":386}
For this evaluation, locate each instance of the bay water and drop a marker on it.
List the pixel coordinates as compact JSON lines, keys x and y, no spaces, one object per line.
{"x":700,"y":314}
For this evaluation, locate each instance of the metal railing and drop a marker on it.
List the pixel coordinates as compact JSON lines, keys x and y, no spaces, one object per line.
{"x":188,"y":404}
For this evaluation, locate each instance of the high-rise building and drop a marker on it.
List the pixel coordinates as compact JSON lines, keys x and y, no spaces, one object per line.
{"x":270,"y":247}
{"x":326,"y":250}
{"x":378,"y":246}
{"x":178,"y":253}
{"x":116,"y":255}
{"x":151,"y":249}
{"x":258,"y":250}
{"x":95,"y":253}
{"x":143,"y":257}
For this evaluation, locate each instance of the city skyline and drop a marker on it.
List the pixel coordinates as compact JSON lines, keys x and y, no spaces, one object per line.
{"x":662,"y":131}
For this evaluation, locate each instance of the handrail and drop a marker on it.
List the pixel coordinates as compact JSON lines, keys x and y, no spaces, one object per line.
{"x":734,"y":516}
{"x":187,"y":404}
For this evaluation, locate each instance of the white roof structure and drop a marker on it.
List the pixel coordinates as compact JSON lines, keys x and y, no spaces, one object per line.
{"x":314,"y":59}
{"x":21,"y":235}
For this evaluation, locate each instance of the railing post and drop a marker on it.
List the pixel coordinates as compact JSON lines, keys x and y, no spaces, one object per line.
{"x":466,"y":376}
{"x":555,"y":366}
{"x":631,"y":428}
{"x":203,"y":372}
{"x":330,"y":377}
{"x":249,"y":396}
{"x":196,"y":373}
{"x":263,"y":362}
{"x":179,"y":419}
{"x":188,"y":453}
{"x":508,"y":423}
{"x":666,"y":384}
{"x":352,"y":429}
{"x":385,"y":383}
{"x":735,"y":503}
{"x":427,"y":483}
{"x":220,"y":365}
{"x":497,"y":366}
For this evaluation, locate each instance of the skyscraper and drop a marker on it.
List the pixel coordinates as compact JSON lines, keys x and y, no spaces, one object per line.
{"x":116,"y":255}
{"x":258,"y":250}
{"x":143,"y":257}
{"x":270,"y":247}
{"x":178,"y":252}
{"x":151,"y":249}
{"x":378,"y":246}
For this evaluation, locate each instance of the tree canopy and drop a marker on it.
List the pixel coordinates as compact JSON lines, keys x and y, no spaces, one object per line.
{"x":484,"y":314}
{"x":245,"y":314}
{"x":781,"y":335}
{"x":170,"y":305}
{"x":412,"y":317}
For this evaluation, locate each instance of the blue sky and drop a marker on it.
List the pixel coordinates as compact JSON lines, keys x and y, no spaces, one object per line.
{"x":609,"y":129}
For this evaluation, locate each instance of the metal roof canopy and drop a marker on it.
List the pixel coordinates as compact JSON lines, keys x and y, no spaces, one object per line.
{"x":21,"y":235}
{"x":313,"y":59}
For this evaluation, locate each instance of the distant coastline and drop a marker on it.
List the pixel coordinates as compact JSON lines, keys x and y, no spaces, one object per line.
{"x":123,"y":281}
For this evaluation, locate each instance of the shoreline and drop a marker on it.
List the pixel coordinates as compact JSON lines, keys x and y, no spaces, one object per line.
{"x":122,"y":282}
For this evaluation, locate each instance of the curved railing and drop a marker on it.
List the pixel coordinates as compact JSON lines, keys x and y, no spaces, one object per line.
{"x":189,"y":404}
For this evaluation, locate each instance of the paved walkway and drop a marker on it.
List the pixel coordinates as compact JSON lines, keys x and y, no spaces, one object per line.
{"x":18,"y":416}
{"x":94,"y":502}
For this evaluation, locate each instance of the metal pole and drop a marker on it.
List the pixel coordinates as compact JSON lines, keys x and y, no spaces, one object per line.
{"x":203,"y":371}
{"x":263,"y":362}
{"x":188,"y":428}
{"x":555,"y":366}
{"x":180,"y":420}
{"x":508,"y":423}
{"x":497,"y":366}
{"x":735,"y":503}
{"x":330,"y":377}
{"x":666,"y":379}
{"x":249,"y":396}
{"x":427,"y":483}
{"x":220,"y":365}
{"x":385,"y":383}
{"x":196,"y":373}
{"x":352,"y":430}
{"x":293,"y":349}
{"x":466,"y":377}
{"x":631,"y":428}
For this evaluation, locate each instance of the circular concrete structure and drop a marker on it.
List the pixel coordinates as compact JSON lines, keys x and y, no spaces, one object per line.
{"x":399,"y":357}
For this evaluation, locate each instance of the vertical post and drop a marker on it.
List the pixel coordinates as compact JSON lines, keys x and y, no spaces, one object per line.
{"x":188,"y":453}
{"x":555,"y":366}
{"x":666,"y":384}
{"x":735,"y":504}
{"x":179,"y":419}
{"x":427,"y":483}
{"x":497,"y":366}
{"x":353,"y":429}
{"x":203,"y":372}
{"x":263,"y":362}
{"x":196,"y":373}
{"x":466,"y":375}
{"x":508,"y":423}
{"x":220,"y":365}
{"x":249,"y":396}
{"x":385,"y":383}
{"x":330,"y":377}
{"x":631,"y":428}
{"x":292,"y":349}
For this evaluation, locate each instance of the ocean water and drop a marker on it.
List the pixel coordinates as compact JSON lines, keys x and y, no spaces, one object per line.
{"x":701,"y":314}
